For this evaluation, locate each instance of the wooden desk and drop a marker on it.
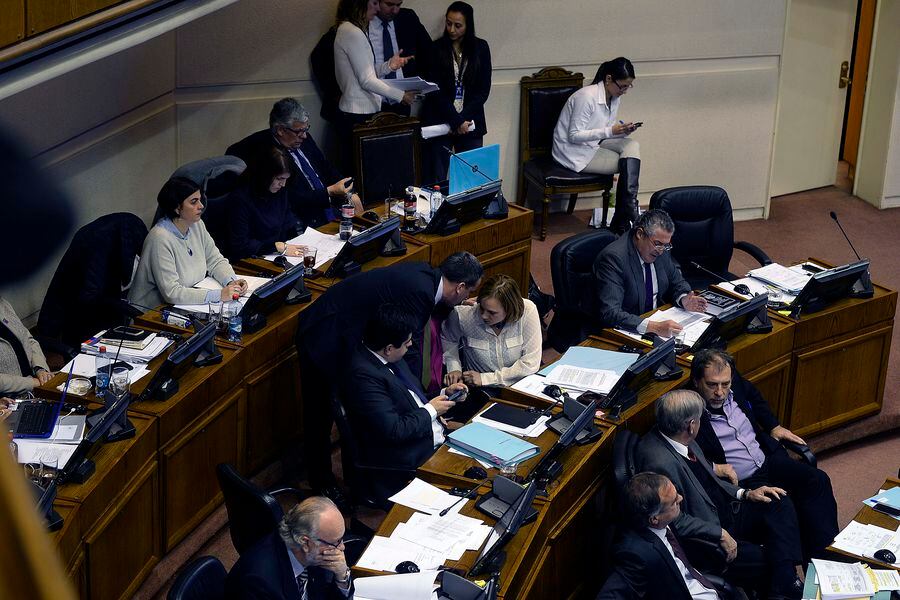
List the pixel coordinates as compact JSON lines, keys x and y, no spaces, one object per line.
{"x":867,"y":515}
{"x":513,"y":573}
{"x":501,"y":245}
{"x":564,"y":547}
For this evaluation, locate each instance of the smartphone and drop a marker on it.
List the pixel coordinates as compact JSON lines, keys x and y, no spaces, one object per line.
{"x":455,"y":396}
{"x":887,"y":509}
{"x":638,"y":124}
{"x":126,"y":333}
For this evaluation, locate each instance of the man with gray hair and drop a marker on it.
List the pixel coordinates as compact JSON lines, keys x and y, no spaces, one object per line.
{"x":302,"y":560}
{"x":757,"y":529}
{"x":636,"y":274}
{"x":315,"y":188}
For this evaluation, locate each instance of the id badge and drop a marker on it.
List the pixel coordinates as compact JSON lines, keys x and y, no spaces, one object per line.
{"x":459,"y":92}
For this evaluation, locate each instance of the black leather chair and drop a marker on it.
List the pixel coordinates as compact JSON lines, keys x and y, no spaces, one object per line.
{"x":386,"y":156}
{"x":98,"y":263}
{"x":704,"y":232}
{"x":357,"y":473}
{"x":572,"y":270}
{"x":542,"y":97}
{"x":253,"y":513}
{"x":624,"y":468}
{"x":202,"y":579}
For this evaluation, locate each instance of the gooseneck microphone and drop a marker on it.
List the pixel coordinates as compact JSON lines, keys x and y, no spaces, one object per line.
{"x":862,"y":288}
{"x":700,"y":267}
{"x":466,"y":496}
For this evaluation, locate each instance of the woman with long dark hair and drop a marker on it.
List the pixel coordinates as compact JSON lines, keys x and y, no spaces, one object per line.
{"x":461,"y":67}
{"x":588,"y":137}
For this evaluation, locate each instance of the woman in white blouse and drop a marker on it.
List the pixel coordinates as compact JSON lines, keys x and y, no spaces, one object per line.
{"x":356,"y":72}
{"x":588,"y":138}
{"x":494,"y":342}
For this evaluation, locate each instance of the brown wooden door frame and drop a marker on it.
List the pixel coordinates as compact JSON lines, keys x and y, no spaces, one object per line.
{"x":859,"y":70}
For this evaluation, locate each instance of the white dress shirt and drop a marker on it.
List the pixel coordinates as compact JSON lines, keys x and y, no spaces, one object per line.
{"x":437,"y":429}
{"x":697,"y":590}
{"x":585,"y":120}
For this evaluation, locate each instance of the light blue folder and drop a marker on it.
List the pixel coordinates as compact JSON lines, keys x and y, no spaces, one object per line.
{"x":594,"y":358}
{"x":492,"y":445}
{"x":487,"y":159}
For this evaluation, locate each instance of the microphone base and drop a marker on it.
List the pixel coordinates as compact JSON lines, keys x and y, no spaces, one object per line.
{"x":863,"y":287}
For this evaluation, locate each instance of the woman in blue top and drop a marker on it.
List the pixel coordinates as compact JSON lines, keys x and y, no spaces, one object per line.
{"x":260,"y":219}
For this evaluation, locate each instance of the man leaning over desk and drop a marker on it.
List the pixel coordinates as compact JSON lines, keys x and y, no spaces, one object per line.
{"x":636,"y":274}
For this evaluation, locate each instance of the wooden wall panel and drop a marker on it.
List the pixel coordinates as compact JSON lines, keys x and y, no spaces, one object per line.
{"x":12,"y":21}
{"x":44,"y":15}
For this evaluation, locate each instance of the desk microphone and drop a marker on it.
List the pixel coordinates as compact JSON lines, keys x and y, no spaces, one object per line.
{"x":497,"y":209}
{"x":466,"y":496}
{"x":863,"y":288}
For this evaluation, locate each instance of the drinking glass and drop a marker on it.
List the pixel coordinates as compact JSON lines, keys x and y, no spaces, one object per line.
{"x":309,"y":260}
{"x":49,"y":467}
{"x":120,"y":382}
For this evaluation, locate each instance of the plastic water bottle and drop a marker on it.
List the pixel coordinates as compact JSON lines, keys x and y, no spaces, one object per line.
{"x":347,"y":214}
{"x":231,"y":314}
{"x":437,"y":198}
{"x":102,"y":363}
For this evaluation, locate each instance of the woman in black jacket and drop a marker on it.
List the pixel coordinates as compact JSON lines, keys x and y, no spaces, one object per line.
{"x":461,"y":67}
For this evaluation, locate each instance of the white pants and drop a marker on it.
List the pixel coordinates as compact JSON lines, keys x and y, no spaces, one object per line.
{"x":606,"y":160}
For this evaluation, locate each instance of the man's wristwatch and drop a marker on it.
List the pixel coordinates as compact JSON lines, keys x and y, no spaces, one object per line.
{"x":345,"y":579}
{"x":742,"y":494}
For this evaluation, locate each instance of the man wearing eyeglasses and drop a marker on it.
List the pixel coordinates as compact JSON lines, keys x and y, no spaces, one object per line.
{"x":315,"y":188}
{"x":302,"y":560}
{"x":636,"y":274}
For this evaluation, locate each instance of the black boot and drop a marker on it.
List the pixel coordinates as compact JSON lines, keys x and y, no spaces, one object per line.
{"x":626,"y":195}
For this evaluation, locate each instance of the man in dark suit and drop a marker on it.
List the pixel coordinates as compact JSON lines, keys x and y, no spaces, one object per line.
{"x":329,"y":331}
{"x":738,"y":429}
{"x":315,"y":188}
{"x":393,"y":31}
{"x":395,"y":424}
{"x":302,"y":560}
{"x":738,"y":519}
{"x":636,"y":274}
{"x":649,"y":559}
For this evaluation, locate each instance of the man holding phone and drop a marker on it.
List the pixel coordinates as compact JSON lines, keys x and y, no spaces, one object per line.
{"x":395,"y":425}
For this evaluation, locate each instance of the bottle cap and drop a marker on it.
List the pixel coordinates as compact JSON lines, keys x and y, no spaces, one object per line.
{"x":437,"y":188}
{"x":102,"y":348}
{"x":235,"y":296}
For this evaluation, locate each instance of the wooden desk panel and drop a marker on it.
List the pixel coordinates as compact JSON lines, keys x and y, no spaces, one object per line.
{"x":867,"y":515}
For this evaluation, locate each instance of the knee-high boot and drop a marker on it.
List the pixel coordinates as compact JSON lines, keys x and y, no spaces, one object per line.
{"x":626,"y":195}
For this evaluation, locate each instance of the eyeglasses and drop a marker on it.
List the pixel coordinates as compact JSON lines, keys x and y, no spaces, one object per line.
{"x":622,"y":87}
{"x":335,"y":546}
{"x":299,"y":132}
{"x":657,"y":245}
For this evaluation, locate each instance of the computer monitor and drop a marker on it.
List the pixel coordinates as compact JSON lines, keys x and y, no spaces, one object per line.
{"x":164,"y":382}
{"x":383,"y":238}
{"x":268,"y":297}
{"x":749,"y":315}
{"x":464,"y":207}
{"x":547,"y":467}
{"x":505,"y":528}
{"x":831,"y":285}
{"x":79,"y":468}
{"x":640,"y":373}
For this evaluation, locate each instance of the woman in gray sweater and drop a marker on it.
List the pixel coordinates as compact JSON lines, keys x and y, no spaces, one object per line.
{"x":22,"y":364}
{"x":178,"y":253}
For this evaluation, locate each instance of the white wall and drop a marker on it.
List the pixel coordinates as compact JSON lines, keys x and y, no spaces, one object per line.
{"x":707,"y":83}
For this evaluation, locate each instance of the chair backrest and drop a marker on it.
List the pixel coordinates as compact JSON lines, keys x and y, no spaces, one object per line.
{"x":386,"y":156}
{"x":252,"y":513}
{"x":99,"y":258}
{"x":572,"y":269}
{"x":541,"y":99}
{"x":704,"y":226}
{"x":202,"y":579}
{"x":624,"y":447}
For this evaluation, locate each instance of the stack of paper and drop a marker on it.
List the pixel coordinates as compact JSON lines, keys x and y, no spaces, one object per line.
{"x":486,"y":443}
{"x":534,"y":385}
{"x":402,"y":586}
{"x":585,"y":368}
{"x":85,"y":366}
{"x":840,"y":581}
{"x":784,"y":278}
{"x":208,"y":283}
{"x":578,"y":378}
{"x":865,"y":540}
{"x":428,"y":540}
{"x":327,"y":246}
{"x":129,"y":355}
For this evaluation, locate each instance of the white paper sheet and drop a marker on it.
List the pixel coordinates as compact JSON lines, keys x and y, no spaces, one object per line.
{"x":85,"y":366}
{"x":784,"y":278}
{"x":327,"y":246}
{"x":402,"y":586}
{"x":426,"y":498}
{"x":412,"y":84}
{"x":208,"y":283}
{"x":384,"y":554}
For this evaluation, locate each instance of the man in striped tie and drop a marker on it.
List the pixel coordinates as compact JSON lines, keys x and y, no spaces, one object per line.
{"x":302,"y":560}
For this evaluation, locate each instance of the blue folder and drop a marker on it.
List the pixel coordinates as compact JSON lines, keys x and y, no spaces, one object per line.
{"x":461,"y":176}
{"x":491,"y":445}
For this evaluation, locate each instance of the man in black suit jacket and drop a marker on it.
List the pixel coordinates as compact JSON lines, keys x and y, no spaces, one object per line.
{"x":315,"y":189}
{"x":636,"y":273}
{"x":405,"y":34}
{"x":739,"y":430}
{"x":305,"y":553}
{"x":394,"y":423}
{"x":329,"y":331}
{"x":716,"y":510}
{"x":649,"y":559}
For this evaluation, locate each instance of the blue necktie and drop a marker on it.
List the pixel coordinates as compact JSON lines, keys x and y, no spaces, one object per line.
{"x":648,"y":288}
{"x":307,"y":169}
{"x":410,"y":385}
{"x":387,"y":47}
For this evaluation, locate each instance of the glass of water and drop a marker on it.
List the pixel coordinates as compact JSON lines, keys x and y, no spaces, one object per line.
{"x":120,"y":382}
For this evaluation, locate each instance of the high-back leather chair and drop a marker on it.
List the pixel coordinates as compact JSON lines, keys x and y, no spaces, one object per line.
{"x":85,"y":294}
{"x":253,"y":513}
{"x":202,"y":579}
{"x":541,"y":99}
{"x":386,"y":156}
{"x":572,"y":271}
{"x":704,"y":232}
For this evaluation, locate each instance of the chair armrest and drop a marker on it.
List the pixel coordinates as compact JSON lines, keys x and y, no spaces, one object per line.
{"x":755,"y":251}
{"x":725,"y":589}
{"x":707,"y":553}
{"x":803,"y":450}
